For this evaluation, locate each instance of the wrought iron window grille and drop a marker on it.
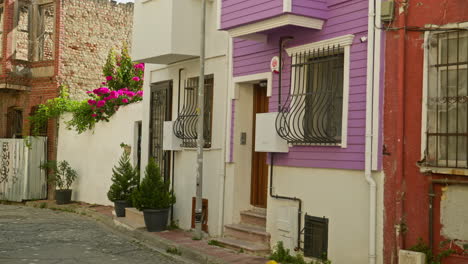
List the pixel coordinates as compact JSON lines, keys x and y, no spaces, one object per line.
{"x":185,"y":127}
{"x":312,"y":113}
{"x":447,"y":100}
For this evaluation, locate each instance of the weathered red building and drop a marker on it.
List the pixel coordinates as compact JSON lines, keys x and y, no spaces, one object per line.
{"x":49,"y":43}
{"x":426,"y":128}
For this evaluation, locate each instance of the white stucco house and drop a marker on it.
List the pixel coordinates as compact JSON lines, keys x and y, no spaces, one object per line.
{"x":166,"y":38}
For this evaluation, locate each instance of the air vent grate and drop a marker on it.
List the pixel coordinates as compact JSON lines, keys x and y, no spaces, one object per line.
{"x":316,"y":237}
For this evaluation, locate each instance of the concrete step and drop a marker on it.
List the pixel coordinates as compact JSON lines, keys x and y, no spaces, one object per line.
{"x":134,"y":217}
{"x":250,"y":233}
{"x":253,"y":217}
{"x":247,"y":247}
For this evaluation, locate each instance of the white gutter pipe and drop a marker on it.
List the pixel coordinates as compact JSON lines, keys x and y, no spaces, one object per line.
{"x":371,"y":86}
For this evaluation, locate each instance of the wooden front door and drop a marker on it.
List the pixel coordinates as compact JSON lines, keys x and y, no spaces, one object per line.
{"x":259,"y":177}
{"x":161,"y":105}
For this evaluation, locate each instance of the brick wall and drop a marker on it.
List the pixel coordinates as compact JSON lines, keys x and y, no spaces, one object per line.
{"x":90,"y":29}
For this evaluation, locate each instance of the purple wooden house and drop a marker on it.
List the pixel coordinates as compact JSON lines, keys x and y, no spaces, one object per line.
{"x":303,"y":152}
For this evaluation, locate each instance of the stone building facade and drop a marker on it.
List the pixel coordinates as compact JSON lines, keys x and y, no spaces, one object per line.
{"x":49,"y":43}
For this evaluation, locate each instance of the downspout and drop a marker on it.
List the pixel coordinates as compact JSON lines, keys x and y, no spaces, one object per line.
{"x":299,"y":212}
{"x":369,"y":133}
{"x":173,"y":152}
{"x":226,"y":122}
{"x":401,"y":110}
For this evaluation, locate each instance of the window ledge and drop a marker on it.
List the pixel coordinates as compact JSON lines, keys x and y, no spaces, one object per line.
{"x":452,"y":171}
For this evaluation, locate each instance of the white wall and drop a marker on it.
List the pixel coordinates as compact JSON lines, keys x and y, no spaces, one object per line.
{"x":342,"y":196}
{"x":184,"y":173}
{"x":94,"y":152}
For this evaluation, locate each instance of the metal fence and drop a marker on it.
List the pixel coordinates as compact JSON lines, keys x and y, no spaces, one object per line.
{"x":20,"y":176}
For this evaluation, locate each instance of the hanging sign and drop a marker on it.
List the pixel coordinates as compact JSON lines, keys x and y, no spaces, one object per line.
{"x":274,"y":64}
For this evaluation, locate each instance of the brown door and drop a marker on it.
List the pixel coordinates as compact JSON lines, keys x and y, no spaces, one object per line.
{"x":259,"y":178}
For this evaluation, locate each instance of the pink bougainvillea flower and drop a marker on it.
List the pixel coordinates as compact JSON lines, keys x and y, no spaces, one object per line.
{"x":88,"y":92}
{"x":107,"y":98}
{"x":104,"y":83}
{"x":124,"y":89}
{"x":140,"y":93}
{"x":93,"y":115}
{"x":136,"y":79}
{"x":104,"y":90}
{"x":140,"y":66}
{"x":114,"y":94}
{"x":125,"y":100}
{"x":109,"y":78}
{"x":91,"y":102}
{"x":130,"y":94}
{"x":101,"y":103}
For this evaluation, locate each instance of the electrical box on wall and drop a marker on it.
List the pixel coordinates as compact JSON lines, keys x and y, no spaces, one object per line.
{"x":387,"y":11}
{"x":411,"y":257}
{"x":170,"y":141}
{"x":266,"y":137}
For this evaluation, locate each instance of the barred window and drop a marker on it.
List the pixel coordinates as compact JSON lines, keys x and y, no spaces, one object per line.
{"x":14,"y":123}
{"x":447,"y":99}
{"x":313,"y":111}
{"x":185,"y":127}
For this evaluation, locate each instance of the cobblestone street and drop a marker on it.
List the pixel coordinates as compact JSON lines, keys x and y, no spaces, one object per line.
{"x":42,"y":236}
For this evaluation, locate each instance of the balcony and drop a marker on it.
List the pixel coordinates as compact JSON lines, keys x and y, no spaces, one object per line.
{"x":166,"y":31}
{"x":253,"y":19}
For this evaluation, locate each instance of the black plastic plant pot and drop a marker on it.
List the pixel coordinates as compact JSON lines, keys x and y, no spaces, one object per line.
{"x":120,"y":206}
{"x":156,"y":219}
{"x":63,"y":196}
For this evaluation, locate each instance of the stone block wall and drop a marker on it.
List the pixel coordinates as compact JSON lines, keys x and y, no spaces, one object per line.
{"x":90,"y":29}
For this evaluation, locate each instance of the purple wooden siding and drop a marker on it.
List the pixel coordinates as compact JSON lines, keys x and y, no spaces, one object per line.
{"x":312,"y":8}
{"x":239,"y":12}
{"x":348,"y":17}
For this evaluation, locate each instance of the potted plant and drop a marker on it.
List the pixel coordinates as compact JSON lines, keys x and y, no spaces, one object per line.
{"x":154,"y":198}
{"x":125,"y":179}
{"x":63,"y":175}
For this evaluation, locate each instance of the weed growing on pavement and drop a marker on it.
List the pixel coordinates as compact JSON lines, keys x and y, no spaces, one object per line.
{"x":215,"y":243}
{"x":174,"y":251}
{"x":282,"y":255}
{"x":174,"y":225}
{"x":43,"y":205}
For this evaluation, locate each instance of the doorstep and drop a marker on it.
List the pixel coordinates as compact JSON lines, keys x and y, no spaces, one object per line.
{"x":196,"y":251}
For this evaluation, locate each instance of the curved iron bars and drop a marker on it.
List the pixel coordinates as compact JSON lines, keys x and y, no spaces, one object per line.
{"x":185,"y":127}
{"x":312,"y":112}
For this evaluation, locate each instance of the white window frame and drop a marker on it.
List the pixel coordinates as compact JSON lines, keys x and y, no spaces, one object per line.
{"x":344,"y":42}
{"x":424,"y":123}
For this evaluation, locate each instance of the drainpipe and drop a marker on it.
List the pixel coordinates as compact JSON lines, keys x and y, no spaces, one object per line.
{"x":226,"y":122}
{"x":371,"y":56}
{"x":299,"y":212}
{"x":400,"y":126}
{"x":173,"y":152}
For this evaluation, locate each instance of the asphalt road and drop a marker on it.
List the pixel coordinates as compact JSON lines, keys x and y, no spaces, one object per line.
{"x":41,"y":236}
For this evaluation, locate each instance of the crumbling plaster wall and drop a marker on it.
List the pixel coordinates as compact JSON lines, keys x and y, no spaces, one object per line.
{"x":90,"y":29}
{"x":454,"y":213}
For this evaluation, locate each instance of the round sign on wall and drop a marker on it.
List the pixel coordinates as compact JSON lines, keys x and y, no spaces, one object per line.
{"x":274,"y":64}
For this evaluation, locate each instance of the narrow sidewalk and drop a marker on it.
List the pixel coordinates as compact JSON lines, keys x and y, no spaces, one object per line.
{"x":197,"y":251}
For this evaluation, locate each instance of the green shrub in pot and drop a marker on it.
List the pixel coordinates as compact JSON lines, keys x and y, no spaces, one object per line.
{"x":125,"y":180}
{"x":154,"y":198}
{"x":63,"y":175}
